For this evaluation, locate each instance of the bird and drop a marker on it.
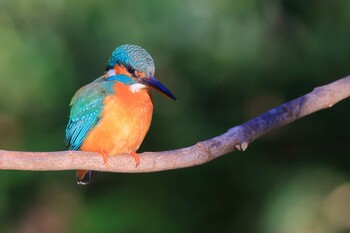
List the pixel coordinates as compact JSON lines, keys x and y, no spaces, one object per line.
{"x":112,"y":114}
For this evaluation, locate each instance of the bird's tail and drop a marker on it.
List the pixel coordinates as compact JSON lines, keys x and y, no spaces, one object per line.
{"x":85,"y":177}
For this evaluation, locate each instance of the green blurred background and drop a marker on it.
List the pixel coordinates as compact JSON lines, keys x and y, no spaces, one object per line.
{"x":226,"y":61}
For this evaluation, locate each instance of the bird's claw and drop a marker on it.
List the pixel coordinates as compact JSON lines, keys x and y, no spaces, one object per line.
{"x":104,"y":157}
{"x":136,"y":158}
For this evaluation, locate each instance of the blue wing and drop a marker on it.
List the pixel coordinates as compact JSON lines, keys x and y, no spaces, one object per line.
{"x":86,"y":108}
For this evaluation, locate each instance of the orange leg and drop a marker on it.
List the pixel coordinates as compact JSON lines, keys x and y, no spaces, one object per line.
{"x":104,"y":157}
{"x":136,"y":158}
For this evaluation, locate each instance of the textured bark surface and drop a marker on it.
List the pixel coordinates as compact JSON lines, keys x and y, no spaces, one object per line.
{"x":236,"y":138}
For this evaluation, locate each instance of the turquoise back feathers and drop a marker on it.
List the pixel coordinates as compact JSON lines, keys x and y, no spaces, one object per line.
{"x":86,"y":108}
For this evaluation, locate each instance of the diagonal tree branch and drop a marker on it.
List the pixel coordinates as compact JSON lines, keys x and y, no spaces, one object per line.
{"x":236,"y":138}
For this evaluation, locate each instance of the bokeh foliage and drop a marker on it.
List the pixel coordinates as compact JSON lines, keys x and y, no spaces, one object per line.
{"x":226,"y":61}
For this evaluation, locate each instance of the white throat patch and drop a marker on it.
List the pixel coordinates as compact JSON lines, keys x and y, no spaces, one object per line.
{"x":137,"y":87}
{"x":111,"y":72}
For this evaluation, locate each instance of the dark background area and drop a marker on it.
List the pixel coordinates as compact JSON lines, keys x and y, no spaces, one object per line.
{"x":227,"y":62}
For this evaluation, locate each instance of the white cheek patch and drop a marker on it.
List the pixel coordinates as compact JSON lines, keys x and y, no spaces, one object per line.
{"x":137,"y":87}
{"x":111,"y":72}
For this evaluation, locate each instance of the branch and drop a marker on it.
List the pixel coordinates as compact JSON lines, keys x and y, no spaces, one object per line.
{"x":236,"y":138}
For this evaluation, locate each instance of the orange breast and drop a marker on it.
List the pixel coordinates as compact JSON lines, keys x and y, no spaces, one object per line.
{"x":126,"y":118}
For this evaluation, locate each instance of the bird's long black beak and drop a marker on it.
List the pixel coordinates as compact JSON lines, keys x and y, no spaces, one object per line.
{"x":152,"y":82}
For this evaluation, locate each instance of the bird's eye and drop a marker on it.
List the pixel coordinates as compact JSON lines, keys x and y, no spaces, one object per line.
{"x":131,"y":70}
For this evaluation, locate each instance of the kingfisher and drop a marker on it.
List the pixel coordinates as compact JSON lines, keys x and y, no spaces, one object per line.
{"x":112,"y":114}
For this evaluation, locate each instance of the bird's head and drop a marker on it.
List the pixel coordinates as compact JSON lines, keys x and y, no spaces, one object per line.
{"x":136,"y":63}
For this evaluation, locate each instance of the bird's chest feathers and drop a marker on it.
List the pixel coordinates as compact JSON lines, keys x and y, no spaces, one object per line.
{"x":132,"y":96}
{"x":125,"y":120}
{"x":127,"y":111}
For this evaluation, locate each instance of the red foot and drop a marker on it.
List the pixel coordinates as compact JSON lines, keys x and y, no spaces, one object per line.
{"x":105,"y":157}
{"x":136,"y":158}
